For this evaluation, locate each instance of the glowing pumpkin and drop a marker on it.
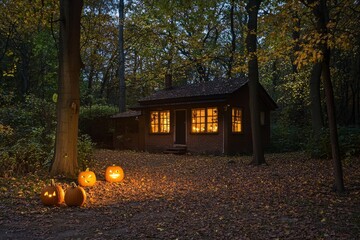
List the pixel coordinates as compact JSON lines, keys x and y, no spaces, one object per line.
{"x":87,"y":178}
{"x":114,"y":174}
{"x":75,"y":195}
{"x":52,"y":195}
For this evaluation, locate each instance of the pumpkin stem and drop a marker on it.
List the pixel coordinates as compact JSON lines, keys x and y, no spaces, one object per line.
{"x":73,"y":184}
{"x":52,"y":182}
{"x":87,"y":169}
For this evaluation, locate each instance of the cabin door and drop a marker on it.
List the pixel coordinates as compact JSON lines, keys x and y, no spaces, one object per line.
{"x":180,"y":127}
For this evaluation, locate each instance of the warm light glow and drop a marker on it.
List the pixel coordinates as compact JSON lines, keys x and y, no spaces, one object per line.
{"x":87,"y":178}
{"x":236,"y":122}
{"x":160,"y":121}
{"x":115,"y":174}
{"x":204,"y":120}
{"x":50,"y":195}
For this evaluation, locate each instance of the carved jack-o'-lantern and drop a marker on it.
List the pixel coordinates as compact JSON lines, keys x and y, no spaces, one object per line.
{"x":114,"y":174}
{"x":75,"y":195}
{"x":87,"y":178}
{"x":52,"y":195}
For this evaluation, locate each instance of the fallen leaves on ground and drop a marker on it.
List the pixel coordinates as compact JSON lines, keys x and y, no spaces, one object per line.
{"x":191,"y":197}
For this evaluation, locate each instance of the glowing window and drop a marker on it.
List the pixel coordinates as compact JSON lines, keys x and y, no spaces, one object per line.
{"x":160,"y":121}
{"x":236,"y":117}
{"x":204,"y":120}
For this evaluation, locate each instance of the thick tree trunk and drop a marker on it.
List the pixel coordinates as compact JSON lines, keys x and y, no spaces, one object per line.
{"x":315,"y":101}
{"x":68,"y":104}
{"x":252,"y":9}
{"x":321,"y":13}
{"x":354,"y":118}
{"x":122,"y":100}
{"x":330,"y":106}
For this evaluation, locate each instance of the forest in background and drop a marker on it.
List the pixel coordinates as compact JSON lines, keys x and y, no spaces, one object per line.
{"x":194,"y":41}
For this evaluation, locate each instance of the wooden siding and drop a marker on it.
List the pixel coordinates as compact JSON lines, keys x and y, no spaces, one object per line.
{"x":222,"y":142}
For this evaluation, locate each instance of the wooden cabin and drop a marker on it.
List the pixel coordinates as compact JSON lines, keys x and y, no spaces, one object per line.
{"x":210,"y":117}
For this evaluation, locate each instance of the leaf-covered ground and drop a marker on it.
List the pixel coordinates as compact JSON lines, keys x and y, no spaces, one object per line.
{"x":191,"y":197}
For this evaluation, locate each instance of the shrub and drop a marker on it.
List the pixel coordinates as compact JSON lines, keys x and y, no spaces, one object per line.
{"x":85,"y":151}
{"x":27,"y":136}
{"x":286,"y":138}
{"x":22,"y":158}
{"x":96,"y":111}
{"x":349,"y":142}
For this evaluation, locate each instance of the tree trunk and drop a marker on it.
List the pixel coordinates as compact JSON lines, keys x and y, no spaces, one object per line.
{"x":330,"y":106}
{"x":315,"y":101}
{"x":233,"y":39}
{"x":321,"y":13}
{"x":354,"y":118}
{"x":122,"y":100}
{"x":68,"y":104}
{"x":252,"y":9}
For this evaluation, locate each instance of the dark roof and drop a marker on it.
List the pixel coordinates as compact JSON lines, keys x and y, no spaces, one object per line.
{"x":210,"y":88}
{"x":205,"y":92}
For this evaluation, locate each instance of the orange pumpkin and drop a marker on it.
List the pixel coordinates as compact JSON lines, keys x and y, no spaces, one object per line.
{"x":52,"y":195}
{"x":75,"y":195}
{"x":114,"y":174}
{"x":87,"y":178}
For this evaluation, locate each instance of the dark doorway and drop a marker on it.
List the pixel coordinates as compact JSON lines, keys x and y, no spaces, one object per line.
{"x":180,"y":127}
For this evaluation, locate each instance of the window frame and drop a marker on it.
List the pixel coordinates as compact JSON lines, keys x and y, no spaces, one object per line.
{"x":205,"y":120}
{"x":160,"y":124}
{"x":237,"y":119}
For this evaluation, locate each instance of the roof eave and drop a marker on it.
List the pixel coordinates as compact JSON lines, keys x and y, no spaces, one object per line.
{"x":167,"y":103}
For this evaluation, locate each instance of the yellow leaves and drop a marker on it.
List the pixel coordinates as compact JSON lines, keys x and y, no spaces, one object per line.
{"x":6,"y":130}
{"x":311,"y":45}
{"x":344,"y":41}
{"x":11,"y":68}
{"x":28,"y":16}
{"x":294,"y":88}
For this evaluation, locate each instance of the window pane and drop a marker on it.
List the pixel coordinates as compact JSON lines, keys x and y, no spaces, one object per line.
{"x":154,"y":122}
{"x":198,"y":120}
{"x":204,"y":120}
{"x":236,"y":119}
{"x":165,"y":121}
{"x":212,"y":120}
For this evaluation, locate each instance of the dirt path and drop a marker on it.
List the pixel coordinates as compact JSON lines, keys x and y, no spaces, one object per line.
{"x":192,"y":197}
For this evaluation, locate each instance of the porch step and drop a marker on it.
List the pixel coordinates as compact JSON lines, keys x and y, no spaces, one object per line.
{"x":176,"y":150}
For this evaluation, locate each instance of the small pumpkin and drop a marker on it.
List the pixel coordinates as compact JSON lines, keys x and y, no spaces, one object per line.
{"x":87,"y":178}
{"x":52,"y":195}
{"x":114,"y":174}
{"x":75,"y":195}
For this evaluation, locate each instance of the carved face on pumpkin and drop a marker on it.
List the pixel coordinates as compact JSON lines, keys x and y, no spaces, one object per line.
{"x":52,"y":195}
{"x":114,"y":174}
{"x":87,"y":178}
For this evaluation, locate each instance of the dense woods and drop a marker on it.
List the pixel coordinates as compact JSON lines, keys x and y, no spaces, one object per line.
{"x":66,"y":66}
{"x":298,"y":54}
